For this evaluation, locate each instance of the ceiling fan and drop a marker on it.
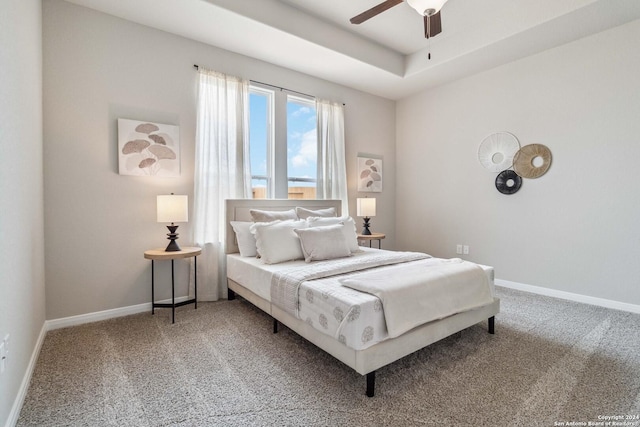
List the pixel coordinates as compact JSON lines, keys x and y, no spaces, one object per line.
{"x":430,"y":9}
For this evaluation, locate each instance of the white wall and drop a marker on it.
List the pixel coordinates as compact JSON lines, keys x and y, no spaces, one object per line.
{"x":98,"y":224}
{"x":22,"y":310}
{"x":575,"y":229}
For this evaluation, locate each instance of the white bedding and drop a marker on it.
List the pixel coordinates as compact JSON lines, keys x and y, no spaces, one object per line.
{"x":285,"y":285}
{"x":419,"y":292}
{"x":354,"y":318}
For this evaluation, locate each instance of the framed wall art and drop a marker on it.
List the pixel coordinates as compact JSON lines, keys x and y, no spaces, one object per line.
{"x":369,"y":175}
{"x":148,"y":149}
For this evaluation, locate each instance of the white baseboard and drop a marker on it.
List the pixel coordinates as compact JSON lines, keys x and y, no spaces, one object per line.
{"x":65,"y":322}
{"x":24,"y":386}
{"x":585,"y":299}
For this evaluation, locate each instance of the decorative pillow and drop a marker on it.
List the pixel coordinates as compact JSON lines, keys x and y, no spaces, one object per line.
{"x":319,"y":243}
{"x":306,"y":213}
{"x":268,"y":216}
{"x":349,"y":229}
{"x":246,"y":240}
{"x":277,"y":242}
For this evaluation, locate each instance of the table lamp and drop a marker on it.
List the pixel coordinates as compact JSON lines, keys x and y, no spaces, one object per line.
{"x":366,"y":208}
{"x":173,"y":208}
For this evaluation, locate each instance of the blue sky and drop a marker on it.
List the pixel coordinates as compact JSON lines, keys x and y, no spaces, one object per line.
{"x":301,"y":141}
{"x":258,"y":134}
{"x":301,"y":138}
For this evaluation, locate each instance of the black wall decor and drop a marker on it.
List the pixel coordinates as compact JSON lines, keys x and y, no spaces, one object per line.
{"x":508,"y":182}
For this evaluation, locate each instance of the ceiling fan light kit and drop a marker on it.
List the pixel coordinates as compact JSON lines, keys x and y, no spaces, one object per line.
{"x":430,"y":9}
{"x":427,"y":7}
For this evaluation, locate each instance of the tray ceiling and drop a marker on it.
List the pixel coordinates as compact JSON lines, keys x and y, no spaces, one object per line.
{"x":387,"y":55}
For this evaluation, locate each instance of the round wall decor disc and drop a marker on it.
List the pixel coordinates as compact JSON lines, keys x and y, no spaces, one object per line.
{"x":508,"y":182}
{"x":532,"y":161}
{"x":497,"y":150}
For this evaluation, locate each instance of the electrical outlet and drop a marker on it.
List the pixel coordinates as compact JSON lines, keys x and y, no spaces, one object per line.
{"x":465,"y":249}
{"x":459,"y":249}
{"x":4,"y":353}
{"x":3,"y":357}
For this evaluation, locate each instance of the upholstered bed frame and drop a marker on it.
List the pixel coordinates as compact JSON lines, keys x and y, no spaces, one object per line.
{"x":366,"y":361}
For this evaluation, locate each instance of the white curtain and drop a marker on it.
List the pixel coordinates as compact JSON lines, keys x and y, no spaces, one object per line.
{"x":222,"y":171}
{"x":332,"y":169}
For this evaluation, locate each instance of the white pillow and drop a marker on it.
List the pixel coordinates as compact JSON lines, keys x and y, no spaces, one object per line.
{"x":319,"y":243}
{"x":268,"y":216}
{"x":246,"y":240}
{"x":277,"y":242}
{"x":306,"y":213}
{"x":349,"y":229}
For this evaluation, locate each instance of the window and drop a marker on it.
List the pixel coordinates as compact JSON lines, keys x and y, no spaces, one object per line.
{"x":283,"y":144}
{"x":261,"y":141}
{"x":302,"y":148}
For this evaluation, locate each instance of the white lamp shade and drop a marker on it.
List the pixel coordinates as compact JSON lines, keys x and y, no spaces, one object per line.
{"x":173,"y":208}
{"x":421,"y":6}
{"x":366,"y":207}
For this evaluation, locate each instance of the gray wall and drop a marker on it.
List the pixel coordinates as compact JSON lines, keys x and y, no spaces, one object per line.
{"x":97,"y":69}
{"x":22,"y":311}
{"x":574,"y":229}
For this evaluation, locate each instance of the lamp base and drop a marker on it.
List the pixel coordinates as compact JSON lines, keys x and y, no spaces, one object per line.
{"x":365,"y":230}
{"x":173,"y":236}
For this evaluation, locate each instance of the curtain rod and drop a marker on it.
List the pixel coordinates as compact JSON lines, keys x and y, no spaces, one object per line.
{"x":196,"y":66}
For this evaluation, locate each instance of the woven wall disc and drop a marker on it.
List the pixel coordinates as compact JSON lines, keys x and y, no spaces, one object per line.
{"x":532,"y":161}
{"x":508,"y":182}
{"x":497,"y":150}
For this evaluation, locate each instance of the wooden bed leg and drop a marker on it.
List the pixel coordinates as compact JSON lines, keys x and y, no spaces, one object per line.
{"x":371,"y":383}
{"x":231,"y":295}
{"x":492,"y":325}
{"x":275,"y":326}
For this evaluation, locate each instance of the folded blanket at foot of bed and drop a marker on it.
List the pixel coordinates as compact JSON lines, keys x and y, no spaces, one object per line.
{"x":422,"y":291}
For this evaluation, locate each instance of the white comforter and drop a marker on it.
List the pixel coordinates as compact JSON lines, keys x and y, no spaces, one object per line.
{"x":419,"y":292}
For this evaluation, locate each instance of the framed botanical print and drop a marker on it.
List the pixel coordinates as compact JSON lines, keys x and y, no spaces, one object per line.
{"x":369,"y":175}
{"x":148,"y":149}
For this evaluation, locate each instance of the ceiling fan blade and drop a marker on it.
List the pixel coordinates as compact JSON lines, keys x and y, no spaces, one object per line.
{"x":432,"y":25}
{"x":368,"y":14}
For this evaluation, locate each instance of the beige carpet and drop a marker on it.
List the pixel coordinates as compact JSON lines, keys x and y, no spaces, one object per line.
{"x":551,"y":361}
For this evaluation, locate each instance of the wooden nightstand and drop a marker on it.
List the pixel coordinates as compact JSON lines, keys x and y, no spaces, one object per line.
{"x":160,"y":254}
{"x":372,"y":236}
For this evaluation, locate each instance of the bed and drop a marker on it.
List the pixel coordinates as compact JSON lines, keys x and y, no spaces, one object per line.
{"x":365,"y":346}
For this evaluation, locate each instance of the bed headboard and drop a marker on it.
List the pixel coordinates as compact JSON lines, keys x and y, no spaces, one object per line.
{"x":238,"y":210}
